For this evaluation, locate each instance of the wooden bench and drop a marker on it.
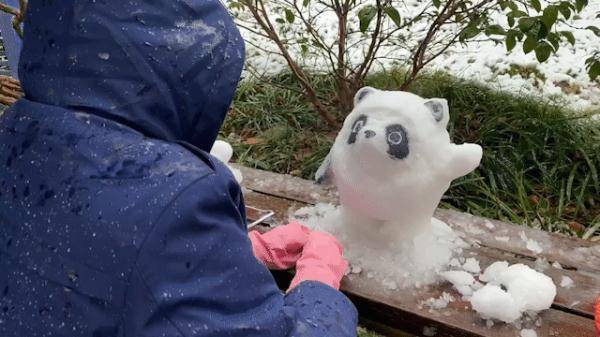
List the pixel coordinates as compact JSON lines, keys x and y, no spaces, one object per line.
{"x":385,"y":310}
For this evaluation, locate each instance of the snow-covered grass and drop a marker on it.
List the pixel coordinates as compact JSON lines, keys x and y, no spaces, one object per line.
{"x":540,"y":165}
{"x":562,"y":78}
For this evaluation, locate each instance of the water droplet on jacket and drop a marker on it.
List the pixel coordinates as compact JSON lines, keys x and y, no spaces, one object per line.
{"x":73,"y":276}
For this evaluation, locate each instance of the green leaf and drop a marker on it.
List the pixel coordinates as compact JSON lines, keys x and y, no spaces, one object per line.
{"x":365,"y":16}
{"x":525,"y":24}
{"x":549,"y":16}
{"x":495,"y":30}
{"x":542,"y":31}
{"x":580,"y":4}
{"x":304,"y":49}
{"x":289,"y":15}
{"x":280,"y":20}
{"x":529,"y":44}
{"x":543,"y":51}
{"x":536,"y":5}
{"x":305,"y":3}
{"x":511,"y":41}
{"x":554,"y":39}
{"x":594,"y":29}
{"x":565,"y":9}
{"x":470,"y":31}
{"x":570,"y":37}
{"x":393,"y":14}
{"x":518,"y":14}
{"x":437,"y":3}
{"x":594,"y":70}
{"x":511,"y":20}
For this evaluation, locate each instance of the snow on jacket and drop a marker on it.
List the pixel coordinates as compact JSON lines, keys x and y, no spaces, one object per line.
{"x":114,"y":220}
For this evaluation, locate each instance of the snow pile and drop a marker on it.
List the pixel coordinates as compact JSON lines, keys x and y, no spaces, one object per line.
{"x":464,"y":282}
{"x":472,"y":266}
{"x":437,"y":303}
{"x":528,"y":333}
{"x":397,"y":264}
{"x":531,"y":244}
{"x":526,"y":291}
{"x":567,"y":282}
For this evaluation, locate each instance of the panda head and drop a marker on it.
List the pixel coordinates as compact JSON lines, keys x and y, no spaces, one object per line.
{"x":392,"y":125}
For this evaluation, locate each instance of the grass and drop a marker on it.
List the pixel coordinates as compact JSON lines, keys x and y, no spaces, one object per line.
{"x":540,"y":165}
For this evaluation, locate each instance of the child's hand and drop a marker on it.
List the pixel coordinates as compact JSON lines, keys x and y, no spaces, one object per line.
{"x":321,"y":260}
{"x":280,"y":248}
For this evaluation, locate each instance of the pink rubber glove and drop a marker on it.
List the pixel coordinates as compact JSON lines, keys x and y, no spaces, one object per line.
{"x":322,"y":260}
{"x":281,"y":247}
{"x":598,"y":317}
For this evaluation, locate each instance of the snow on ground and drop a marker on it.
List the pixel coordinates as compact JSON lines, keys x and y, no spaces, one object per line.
{"x":528,"y":333}
{"x":511,"y":291}
{"x":512,"y":294}
{"x":567,"y":282}
{"x":563,"y":77}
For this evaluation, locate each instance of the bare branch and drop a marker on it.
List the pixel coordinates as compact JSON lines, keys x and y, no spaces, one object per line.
{"x":267,"y":26}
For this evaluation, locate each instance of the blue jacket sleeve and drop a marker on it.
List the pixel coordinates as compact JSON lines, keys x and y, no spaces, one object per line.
{"x":196,"y":275}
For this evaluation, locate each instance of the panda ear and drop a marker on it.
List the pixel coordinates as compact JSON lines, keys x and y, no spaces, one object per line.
{"x":439,"y":110}
{"x":362,"y":93}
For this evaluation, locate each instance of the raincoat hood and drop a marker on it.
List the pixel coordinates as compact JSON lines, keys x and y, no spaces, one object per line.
{"x":168,"y":69}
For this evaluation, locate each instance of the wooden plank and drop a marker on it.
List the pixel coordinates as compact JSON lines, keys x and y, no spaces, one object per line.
{"x":403,"y":311}
{"x":579,"y":299}
{"x":570,"y":252}
{"x":397,"y":309}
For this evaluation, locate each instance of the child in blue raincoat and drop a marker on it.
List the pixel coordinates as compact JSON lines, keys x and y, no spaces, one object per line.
{"x":114,"y":220}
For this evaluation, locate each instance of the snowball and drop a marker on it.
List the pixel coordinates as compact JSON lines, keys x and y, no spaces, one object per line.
{"x":567,"y":282}
{"x":222,"y":151}
{"x":534,"y":291}
{"x":472,"y":266}
{"x":557,"y":265}
{"x":492,"y":273}
{"x":493,"y":302}
{"x":526,"y":290}
{"x":528,"y":333}
{"x":461,"y":280}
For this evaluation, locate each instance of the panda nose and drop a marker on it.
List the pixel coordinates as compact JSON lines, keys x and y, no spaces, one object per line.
{"x":369,"y":133}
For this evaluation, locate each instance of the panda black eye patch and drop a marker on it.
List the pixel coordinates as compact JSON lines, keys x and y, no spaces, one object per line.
{"x":397,"y":140}
{"x":358,"y":124}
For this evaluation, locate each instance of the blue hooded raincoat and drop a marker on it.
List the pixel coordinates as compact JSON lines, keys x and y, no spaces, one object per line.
{"x":114,"y":221}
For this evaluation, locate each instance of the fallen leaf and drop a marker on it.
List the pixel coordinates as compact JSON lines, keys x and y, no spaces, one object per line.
{"x":576,"y":226}
{"x":254,"y":141}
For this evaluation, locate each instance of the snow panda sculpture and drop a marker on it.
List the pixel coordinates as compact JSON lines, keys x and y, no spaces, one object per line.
{"x":391,"y":162}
